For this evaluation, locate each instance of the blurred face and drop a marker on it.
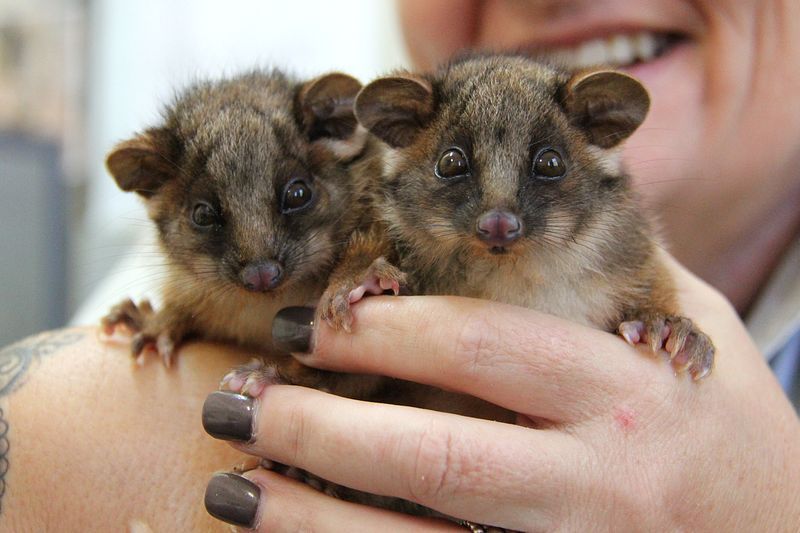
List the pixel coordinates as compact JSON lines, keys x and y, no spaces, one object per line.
{"x":719,"y":150}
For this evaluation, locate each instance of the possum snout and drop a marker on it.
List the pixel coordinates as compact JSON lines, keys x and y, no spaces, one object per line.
{"x":498,"y":228}
{"x":262,"y":276}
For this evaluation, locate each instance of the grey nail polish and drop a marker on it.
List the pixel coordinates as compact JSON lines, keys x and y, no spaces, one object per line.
{"x":229,"y":416}
{"x":233,"y":499}
{"x":292,"y":329}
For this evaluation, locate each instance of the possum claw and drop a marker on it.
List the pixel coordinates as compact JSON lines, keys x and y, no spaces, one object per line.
{"x":251,"y":379}
{"x":690,"y":350}
{"x":380,"y":276}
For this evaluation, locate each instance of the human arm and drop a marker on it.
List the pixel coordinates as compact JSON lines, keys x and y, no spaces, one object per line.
{"x":93,"y":442}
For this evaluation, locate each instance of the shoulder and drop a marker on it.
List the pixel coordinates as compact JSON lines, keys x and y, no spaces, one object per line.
{"x":88,"y":440}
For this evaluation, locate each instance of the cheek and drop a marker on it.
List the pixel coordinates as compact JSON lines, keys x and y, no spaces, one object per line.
{"x":664,"y":152}
{"x":422,"y":22}
{"x":318,"y":249}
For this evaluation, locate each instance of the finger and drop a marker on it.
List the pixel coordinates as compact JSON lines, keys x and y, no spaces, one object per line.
{"x":265,"y":501}
{"x":453,"y":464}
{"x":567,"y":371}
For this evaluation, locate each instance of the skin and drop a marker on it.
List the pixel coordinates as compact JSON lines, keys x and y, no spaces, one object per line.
{"x":82,"y":453}
{"x":626,"y":444}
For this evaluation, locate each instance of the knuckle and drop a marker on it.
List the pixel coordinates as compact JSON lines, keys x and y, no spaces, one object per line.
{"x":485,"y":343}
{"x":435,"y":474}
{"x":477,"y":345}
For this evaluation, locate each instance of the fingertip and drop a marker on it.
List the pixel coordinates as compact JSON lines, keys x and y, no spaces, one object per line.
{"x":293,"y":328}
{"x":234,"y":499}
{"x":229,"y":416}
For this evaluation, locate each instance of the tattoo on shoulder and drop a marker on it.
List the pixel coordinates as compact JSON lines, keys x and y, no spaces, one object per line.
{"x":4,"y":446}
{"x":16,"y":359}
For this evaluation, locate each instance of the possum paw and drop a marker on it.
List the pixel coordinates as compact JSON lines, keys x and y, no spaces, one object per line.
{"x":162,"y":343}
{"x":379,"y":277}
{"x":251,"y":379}
{"x":689,"y":349}
{"x":127,"y":314}
{"x":158,"y":332}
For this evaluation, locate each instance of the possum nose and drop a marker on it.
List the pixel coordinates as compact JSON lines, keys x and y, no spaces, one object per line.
{"x":499,"y":228}
{"x":261,"y":277}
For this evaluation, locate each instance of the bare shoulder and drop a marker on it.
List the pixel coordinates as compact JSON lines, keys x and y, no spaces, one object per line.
{"x":90,"y":441}
{"x":16,"y":359}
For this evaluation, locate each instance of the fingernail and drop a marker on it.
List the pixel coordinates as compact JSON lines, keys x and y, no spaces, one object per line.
{"x":292,"y":329}
{"x":233,"y":499}
{"x":229,"y":416}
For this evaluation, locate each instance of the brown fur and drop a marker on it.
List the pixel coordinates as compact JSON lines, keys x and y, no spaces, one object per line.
{"x":235,"y":144}
{"x":586,"y":253}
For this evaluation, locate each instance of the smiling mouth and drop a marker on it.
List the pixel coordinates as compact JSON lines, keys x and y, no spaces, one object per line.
{"x":618,"y":50}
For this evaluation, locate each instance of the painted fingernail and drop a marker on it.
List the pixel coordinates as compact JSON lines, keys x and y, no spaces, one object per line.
{"x":292,"y":329}
{"x":229,"y":416}
{"x":233,"y":499}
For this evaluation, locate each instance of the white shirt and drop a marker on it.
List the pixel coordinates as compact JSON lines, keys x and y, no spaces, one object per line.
{"x":774,"y":322}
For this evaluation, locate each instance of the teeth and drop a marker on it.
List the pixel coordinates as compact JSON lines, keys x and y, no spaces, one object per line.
{"x":621,"y":49}
{"x":646,"y":46}
{"x":616,"y":51}
{"x":589,"y":53}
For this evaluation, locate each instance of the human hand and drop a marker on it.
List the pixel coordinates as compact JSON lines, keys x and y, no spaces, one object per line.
{"x":608,"y":438}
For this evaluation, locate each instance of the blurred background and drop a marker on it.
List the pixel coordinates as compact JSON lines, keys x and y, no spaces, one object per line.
{"x":76,"y":76}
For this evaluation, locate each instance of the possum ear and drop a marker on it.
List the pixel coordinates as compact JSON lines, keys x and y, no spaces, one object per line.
{"x":325,"y":106}
{"x":142,"y":164}
{"x":395,"y":109}
{"x":607,"y":105}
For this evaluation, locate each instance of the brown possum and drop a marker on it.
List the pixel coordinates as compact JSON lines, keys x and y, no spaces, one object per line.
{"x":245,"y":179}
{"x":501,"y":180}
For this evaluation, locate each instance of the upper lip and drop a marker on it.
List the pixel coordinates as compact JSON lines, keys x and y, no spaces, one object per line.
{"x":603,"y":20}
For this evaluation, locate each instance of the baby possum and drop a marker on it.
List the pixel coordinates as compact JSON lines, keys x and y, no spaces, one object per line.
{"x":245,"y":180}
{"x":501,"y":180}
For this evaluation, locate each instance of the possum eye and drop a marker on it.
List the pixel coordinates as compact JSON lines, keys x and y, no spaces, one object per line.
{"x":297,"y":195}
{"x":203,"y":215}
{"x":452,"y":164}
{"x":549,"y":165}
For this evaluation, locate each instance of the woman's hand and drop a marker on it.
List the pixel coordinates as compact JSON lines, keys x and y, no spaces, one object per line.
{"x":608,"y":437}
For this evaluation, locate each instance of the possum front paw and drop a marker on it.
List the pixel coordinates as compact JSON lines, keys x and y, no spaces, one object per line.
{"x":689,"y":348}
{"x":251,"y":379}
{"x":150,"y":331}
{"x":380,"y":276}
{"x":127,"y":314}
{"x":163,"y":342}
